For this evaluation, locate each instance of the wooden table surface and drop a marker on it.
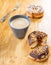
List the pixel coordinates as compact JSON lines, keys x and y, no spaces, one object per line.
{"x":14,"y":51}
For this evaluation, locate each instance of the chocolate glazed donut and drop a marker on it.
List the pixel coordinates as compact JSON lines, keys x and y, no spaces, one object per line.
{"x":40,"y":53}
{"x":36,"y":38}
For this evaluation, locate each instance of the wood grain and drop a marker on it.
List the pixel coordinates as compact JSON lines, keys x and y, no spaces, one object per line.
{"x":14,"y":51}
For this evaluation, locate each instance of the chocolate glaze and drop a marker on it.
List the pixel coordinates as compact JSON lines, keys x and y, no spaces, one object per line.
{"x":40,"y":51}
{"x":32,"y":39}
{"x":37,"y":36}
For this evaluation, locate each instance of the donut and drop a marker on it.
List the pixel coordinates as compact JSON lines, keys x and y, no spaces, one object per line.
{"x":37,"y":37}
{"x":40,"y":53}
{"x":34,"y":11}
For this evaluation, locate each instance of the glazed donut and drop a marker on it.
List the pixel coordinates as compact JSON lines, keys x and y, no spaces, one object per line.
{"x":40,"y":53}
{"x":37,"y":37}
{"x":34,"y":11}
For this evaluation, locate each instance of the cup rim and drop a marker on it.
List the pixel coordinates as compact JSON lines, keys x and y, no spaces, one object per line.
{"x":19,"y":16}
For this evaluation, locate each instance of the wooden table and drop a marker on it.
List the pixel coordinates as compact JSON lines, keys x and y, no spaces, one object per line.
{"x":15,"y":51}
